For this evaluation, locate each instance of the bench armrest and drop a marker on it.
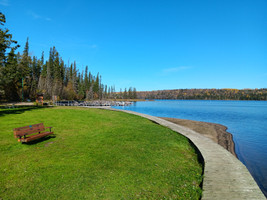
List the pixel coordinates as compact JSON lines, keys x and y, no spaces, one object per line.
{"x":49,"y":128}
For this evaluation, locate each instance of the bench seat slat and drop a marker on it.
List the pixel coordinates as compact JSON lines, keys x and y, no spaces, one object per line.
{"x":34,"y":137}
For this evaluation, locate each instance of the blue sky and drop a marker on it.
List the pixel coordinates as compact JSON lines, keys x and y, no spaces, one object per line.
{"x":150,"y":44}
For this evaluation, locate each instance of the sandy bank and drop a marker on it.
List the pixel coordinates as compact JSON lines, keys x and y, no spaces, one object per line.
{"x":216,"y":132}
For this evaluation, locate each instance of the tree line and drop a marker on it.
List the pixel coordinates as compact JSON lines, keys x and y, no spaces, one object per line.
{"x":23,"y":76}
{"x":206,"y":94}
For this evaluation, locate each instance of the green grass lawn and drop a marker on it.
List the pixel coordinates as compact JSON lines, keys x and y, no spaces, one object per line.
{"x":95,"y":154}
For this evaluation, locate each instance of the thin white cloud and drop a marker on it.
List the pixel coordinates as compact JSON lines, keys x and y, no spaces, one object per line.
{"x":93,"y":46}
{"x":34,"y":15}
{"x":175,"y":69}
{"x":4,"y":2}
{"x":37,"y":16}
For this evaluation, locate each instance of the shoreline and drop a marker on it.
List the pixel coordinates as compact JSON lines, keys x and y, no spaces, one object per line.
{"x":215,"y":132}
{"x":224,"y":175}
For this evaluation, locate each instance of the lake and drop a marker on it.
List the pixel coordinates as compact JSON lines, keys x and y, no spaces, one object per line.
{"x":246,"y":121}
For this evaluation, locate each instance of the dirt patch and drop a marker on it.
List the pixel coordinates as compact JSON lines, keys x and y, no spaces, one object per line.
{"x":216,"y":132}
{"x":47,"y":144}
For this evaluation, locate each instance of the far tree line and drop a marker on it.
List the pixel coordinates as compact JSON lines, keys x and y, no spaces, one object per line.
{"x":23,"y":76}
{"x":206,"y":94}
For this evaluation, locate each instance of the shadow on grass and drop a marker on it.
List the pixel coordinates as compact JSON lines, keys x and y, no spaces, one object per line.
{"x":200,"y":160}
{"x":199,"y":157}
{"x":18,"y":109}
{"x":40,"y":140}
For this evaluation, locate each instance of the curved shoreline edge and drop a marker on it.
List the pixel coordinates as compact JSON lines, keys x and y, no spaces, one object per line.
{"x":216,"y":132}
{"x":225,"y":177}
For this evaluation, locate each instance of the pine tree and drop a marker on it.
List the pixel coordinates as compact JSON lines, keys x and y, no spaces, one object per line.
{"x":36,"y":70}
{"x":57,"y":79}
{"x":25,"y":61}
{"x":90,"y":80}
{"x":11,"y":78}
{"x":109,"y":92}
{"x":74,"y":78}
{"x":106,"y":92}
{"x":42,"y":78}
{"x":134,"y":93}
{"x":130,"y":93}
{"x":125,"y":95}
{"x":96,"y":87}
{"x":81,"y":88}
{"x":6,"y":43}
{"x":100,"y":88}
{"x":86,"y":79}
{"x":25,"y":72}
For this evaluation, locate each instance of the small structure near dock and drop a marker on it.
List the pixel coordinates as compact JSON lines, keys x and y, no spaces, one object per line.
{"x":40,"y":99}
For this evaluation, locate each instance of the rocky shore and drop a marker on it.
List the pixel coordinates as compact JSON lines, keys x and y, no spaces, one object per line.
{"x":215,"y":132}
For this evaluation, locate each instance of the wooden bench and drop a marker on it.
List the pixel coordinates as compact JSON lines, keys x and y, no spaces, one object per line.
{"x":23,"y":132}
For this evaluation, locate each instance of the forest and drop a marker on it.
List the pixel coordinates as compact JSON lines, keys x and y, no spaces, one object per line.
{"x":23,"y":77}
{"x":206,"y":94}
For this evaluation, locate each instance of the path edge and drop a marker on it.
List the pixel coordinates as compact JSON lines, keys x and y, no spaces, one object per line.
{"x":225,"y":177}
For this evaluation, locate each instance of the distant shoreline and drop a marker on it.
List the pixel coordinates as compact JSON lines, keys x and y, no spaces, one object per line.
{"x":215,"y":132}
{"x":206,"y":94}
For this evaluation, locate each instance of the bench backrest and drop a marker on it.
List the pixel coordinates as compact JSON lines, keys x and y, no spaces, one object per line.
{"x":27,"y":130}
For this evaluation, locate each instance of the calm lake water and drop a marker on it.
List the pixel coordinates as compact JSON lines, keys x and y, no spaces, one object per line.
{"x":246,"y":121}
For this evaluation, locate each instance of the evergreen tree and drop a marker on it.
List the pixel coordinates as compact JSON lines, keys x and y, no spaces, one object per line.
{"x":71,"y":72}
{"x":86,"y":79}
{"x":43,"y":74}
{"x":74,"y":77}
{"x":106,"y":92}
{"x":125,"y":96}
{"x":6,"y":43}
{"x":130,"y":93}
{"x":25,"y":72}
{"x":36,"y":70}
{"x":134,"y":93}
{"x":58,"y":71}
{"x":11,"y":78}
{"x":5,"y":40}
{"x":96,"y":87}
{"x":43,"y":66}
{"x":48,"y":81}
{"x":100,"y":88}
{"x":109,"y":92}
{"x":90,"y":80}
{"x":121,"y":94}
{"x":81,"y":93}
{"x":25,"y":61}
